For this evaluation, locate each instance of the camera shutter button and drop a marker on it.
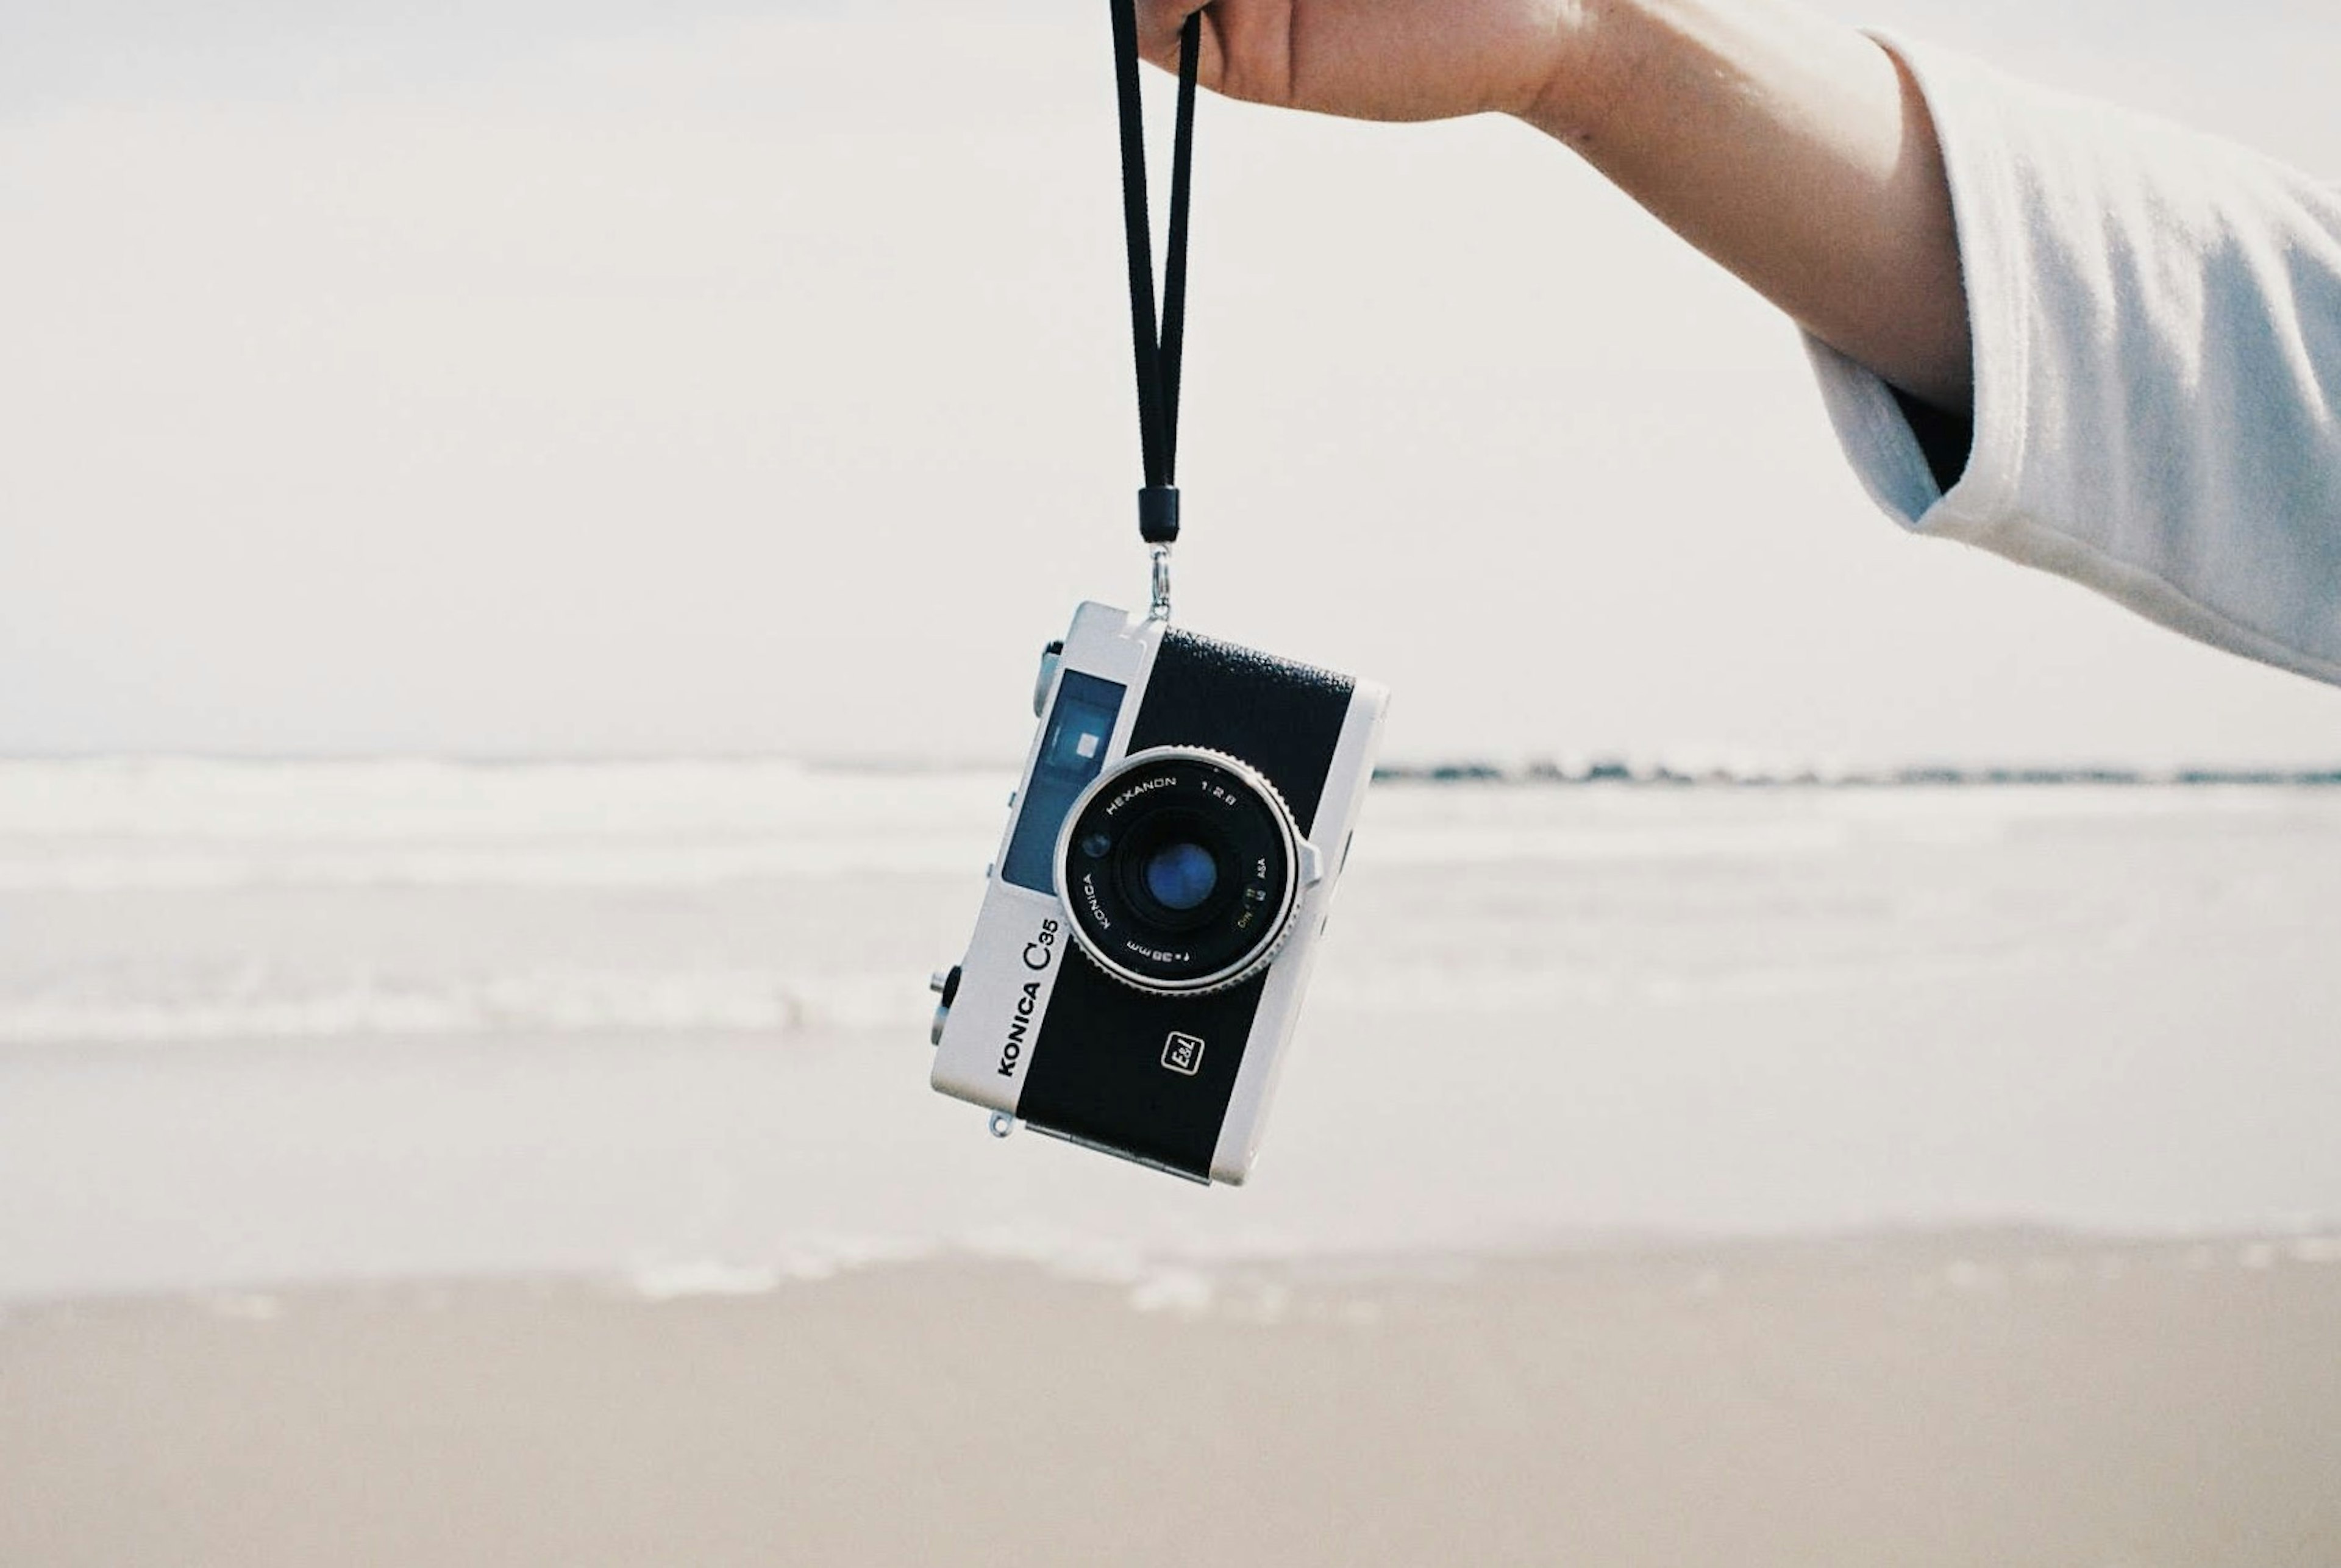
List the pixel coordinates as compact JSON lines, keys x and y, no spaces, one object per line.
{"x":1050,"y":657}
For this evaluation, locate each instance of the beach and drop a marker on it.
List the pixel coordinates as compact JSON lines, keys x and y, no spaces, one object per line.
{"x":427,"y":1163}
{"x":2004,"y":1398}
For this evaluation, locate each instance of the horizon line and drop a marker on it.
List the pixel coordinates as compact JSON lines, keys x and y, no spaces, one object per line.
{"x":1582,"y":769}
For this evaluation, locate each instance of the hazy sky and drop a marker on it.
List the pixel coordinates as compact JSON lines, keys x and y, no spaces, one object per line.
{"x":536,"y":378}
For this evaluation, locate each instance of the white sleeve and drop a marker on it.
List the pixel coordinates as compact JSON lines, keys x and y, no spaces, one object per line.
{"x":2156,"y":319}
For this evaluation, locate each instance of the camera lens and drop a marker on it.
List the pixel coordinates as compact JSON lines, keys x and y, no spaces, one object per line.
{"x":1179,"y":871}
{"x":1182,"y":876}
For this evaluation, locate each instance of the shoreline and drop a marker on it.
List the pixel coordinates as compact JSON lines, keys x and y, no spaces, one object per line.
{"x":1933,"y":1257}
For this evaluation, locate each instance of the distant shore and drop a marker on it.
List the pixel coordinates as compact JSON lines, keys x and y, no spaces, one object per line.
{"x":1614,"y":773}
{"x":2007,"y":1398}
{"x":1695,"y":767}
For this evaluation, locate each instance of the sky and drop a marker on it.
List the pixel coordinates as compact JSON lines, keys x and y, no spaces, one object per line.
{"x":522,"y":379}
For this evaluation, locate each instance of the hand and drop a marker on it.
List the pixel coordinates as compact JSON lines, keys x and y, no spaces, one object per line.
{"x":1375,"y":59}
{"x":1784,"y":144}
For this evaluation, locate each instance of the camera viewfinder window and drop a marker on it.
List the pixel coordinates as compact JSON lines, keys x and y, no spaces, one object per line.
{"x":1072,"y":750}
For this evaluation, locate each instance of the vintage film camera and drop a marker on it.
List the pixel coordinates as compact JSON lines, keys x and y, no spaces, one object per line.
{"x":1149,"y":926}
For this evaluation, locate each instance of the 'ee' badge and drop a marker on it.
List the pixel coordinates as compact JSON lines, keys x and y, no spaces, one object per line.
{"x":1183,"y":1054}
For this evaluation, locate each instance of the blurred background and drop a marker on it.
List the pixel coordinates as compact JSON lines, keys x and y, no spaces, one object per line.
{"x":523,"y":534}
{"x":529,"y":380}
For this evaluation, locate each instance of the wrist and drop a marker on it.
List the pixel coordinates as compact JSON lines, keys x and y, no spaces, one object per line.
{"x":1592,"y":55}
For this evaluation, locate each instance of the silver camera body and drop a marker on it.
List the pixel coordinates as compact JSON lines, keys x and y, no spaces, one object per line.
{"x":1150,"y":923}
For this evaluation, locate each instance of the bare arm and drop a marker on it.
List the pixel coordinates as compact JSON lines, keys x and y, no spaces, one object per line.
{"x":1794,"y":151}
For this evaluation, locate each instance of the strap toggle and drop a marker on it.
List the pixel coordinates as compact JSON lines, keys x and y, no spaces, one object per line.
{"x":1157,"y":515}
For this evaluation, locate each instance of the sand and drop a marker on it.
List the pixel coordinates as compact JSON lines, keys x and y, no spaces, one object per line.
{"x":2005,"y":1399}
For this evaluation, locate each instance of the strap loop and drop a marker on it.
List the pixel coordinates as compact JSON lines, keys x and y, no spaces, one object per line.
{"x":1156,"y":348}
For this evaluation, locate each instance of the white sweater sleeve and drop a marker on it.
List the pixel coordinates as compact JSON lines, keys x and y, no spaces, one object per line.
{"x":2156,"y":319}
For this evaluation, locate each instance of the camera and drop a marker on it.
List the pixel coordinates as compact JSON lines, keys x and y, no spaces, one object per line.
{"x":1160,"y":889}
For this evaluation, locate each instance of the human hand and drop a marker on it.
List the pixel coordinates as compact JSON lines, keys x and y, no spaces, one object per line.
{"x":1789,"y":147}
{"x":1377,"y":59}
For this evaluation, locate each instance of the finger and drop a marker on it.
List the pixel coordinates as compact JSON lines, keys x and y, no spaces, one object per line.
{"x":1160,"y":23}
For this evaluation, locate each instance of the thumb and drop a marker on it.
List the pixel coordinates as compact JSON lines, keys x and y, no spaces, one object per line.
{"x":1160,"y":23}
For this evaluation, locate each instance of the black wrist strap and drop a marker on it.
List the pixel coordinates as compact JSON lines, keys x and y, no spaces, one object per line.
{"x":1157,"y":347}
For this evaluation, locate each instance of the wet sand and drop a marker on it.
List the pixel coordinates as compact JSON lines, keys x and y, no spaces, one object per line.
{"x":2008,"y":1399}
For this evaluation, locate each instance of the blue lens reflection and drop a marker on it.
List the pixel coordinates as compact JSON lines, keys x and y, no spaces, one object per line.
{"x":1182,"y":876}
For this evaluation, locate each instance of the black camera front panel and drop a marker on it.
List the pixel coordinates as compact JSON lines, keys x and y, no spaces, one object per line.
{"x":1147,"y":1074}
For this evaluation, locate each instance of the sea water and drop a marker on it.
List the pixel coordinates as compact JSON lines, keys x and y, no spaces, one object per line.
{"x":267,"y":1022}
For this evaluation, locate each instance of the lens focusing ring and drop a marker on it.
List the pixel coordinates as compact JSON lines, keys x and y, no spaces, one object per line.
{"x":1179,"y":796}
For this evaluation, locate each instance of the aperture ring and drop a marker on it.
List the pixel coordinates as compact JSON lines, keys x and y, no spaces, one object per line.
{"x":1216,"y":799}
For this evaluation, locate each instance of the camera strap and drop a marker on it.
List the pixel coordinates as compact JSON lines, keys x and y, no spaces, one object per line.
{"x":1156,"y":346}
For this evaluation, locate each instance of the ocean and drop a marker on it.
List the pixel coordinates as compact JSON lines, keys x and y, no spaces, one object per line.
{"x":264,"y":1023}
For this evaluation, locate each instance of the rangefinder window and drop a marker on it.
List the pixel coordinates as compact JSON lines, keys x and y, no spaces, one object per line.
{"x":1072,"y":750}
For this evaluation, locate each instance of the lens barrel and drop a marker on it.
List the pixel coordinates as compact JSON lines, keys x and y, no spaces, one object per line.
{"x":1179,"y":870}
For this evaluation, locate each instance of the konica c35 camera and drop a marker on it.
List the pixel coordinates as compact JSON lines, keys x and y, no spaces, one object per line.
{"x":1148,"y":925}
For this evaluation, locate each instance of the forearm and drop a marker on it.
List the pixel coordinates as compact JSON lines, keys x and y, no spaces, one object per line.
{"x":1792,"y":150}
